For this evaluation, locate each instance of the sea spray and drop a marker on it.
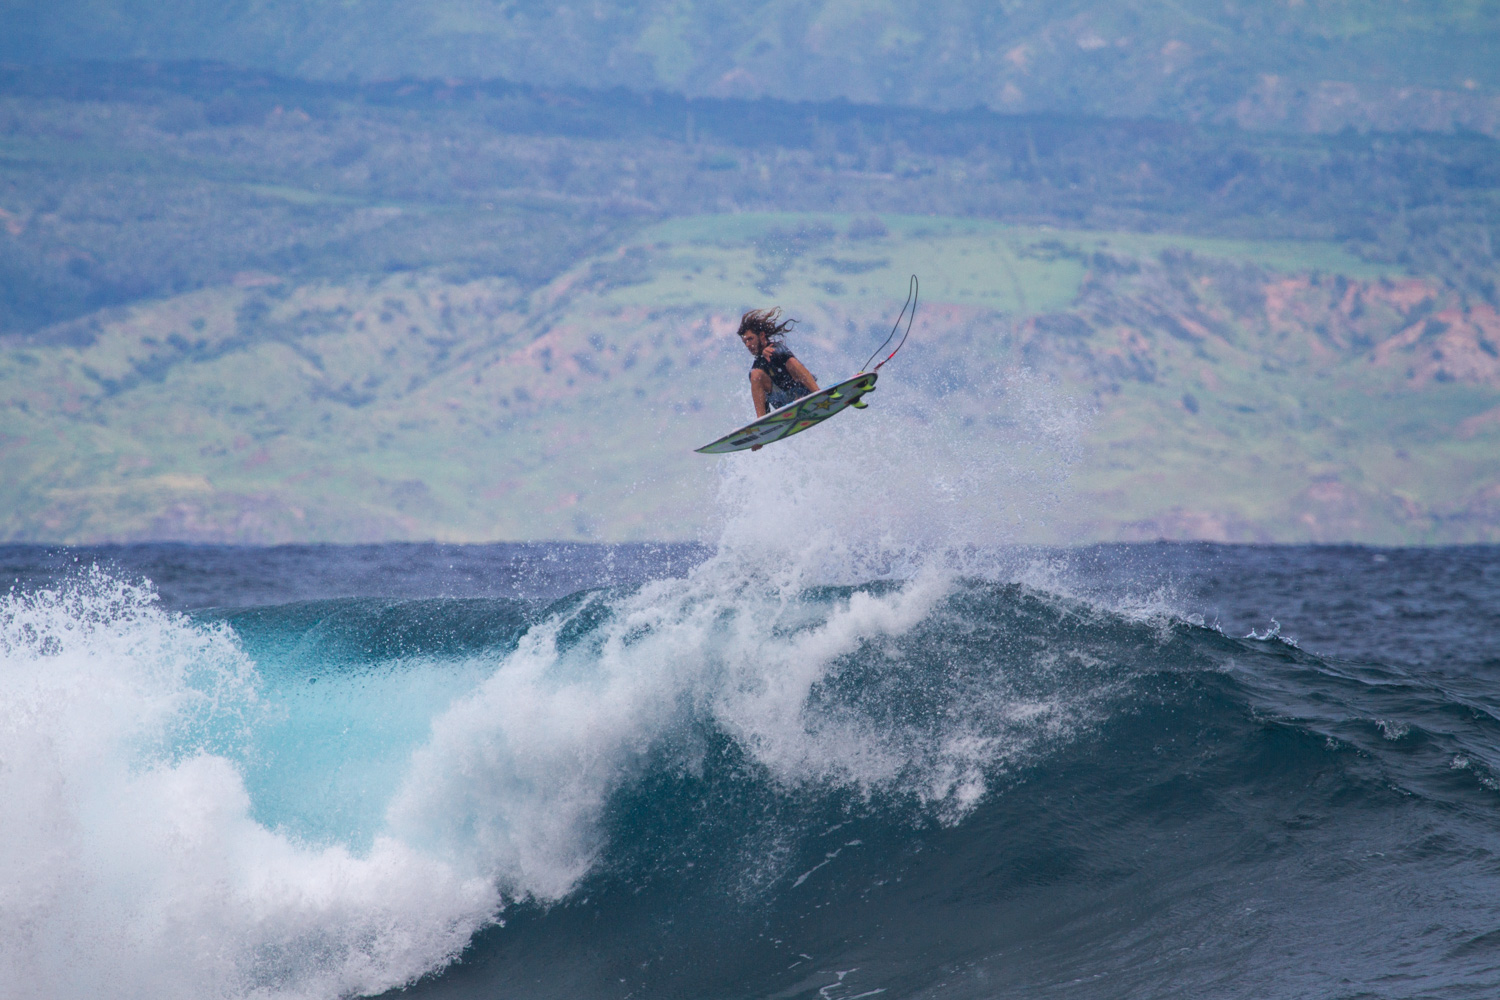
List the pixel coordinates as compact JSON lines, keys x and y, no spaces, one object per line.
{"x":517,"y":774}
{"x":905,"y":485}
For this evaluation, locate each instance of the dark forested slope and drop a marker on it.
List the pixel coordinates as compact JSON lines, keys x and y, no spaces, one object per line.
{"x":128,"y":182}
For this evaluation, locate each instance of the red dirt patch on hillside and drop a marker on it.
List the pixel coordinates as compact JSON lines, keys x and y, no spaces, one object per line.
{"x":1453,"y":345}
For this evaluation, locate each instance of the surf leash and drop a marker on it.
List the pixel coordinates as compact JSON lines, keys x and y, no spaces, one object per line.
{"x":911,"y":303}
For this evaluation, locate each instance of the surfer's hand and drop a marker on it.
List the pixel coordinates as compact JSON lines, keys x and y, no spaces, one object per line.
{"x":768,"y":351}
{"x":756,"y":447}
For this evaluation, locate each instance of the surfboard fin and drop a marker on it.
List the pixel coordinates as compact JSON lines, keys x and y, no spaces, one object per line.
{"x":859,"y":404}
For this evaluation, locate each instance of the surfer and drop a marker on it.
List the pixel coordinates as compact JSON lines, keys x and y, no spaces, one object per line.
{"x":778,"y":381}
{"x":776,"y":376}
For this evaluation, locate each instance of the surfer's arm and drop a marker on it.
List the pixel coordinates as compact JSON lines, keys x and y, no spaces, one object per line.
{"x":801,"y":374}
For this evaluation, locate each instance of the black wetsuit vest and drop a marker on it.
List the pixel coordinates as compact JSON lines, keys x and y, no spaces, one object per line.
{"x":784,"y":385}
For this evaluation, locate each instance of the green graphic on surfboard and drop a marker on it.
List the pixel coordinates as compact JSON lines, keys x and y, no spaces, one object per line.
{"x":796,"y":416}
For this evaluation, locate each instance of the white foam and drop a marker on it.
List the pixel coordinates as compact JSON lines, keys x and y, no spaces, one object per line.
{"x":129,"y":864}
{"x":516,"y":776}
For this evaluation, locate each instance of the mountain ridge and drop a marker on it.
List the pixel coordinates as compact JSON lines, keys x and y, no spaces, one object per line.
{"x":1320,"y":65}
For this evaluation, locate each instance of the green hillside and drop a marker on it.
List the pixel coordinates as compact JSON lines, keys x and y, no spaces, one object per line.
{"x":1319,"y":65}
{"x":1237,"y":389}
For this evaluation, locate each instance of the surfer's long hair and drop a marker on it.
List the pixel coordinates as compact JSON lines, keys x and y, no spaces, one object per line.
{"x":766,"y":322}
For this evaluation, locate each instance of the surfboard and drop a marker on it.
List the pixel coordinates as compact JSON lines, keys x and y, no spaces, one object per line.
{"x":796,"y":416}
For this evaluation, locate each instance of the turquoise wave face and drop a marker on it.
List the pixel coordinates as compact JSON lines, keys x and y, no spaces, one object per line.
{"x":348,"y":690}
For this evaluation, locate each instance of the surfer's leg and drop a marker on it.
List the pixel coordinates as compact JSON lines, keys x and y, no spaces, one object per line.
{"x":760,"y":387}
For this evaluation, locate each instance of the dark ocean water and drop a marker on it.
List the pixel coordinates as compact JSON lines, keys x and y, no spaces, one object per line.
{"x":659,"y":771}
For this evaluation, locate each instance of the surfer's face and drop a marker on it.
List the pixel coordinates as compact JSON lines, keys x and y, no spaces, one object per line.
{"x":753,"y":342}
